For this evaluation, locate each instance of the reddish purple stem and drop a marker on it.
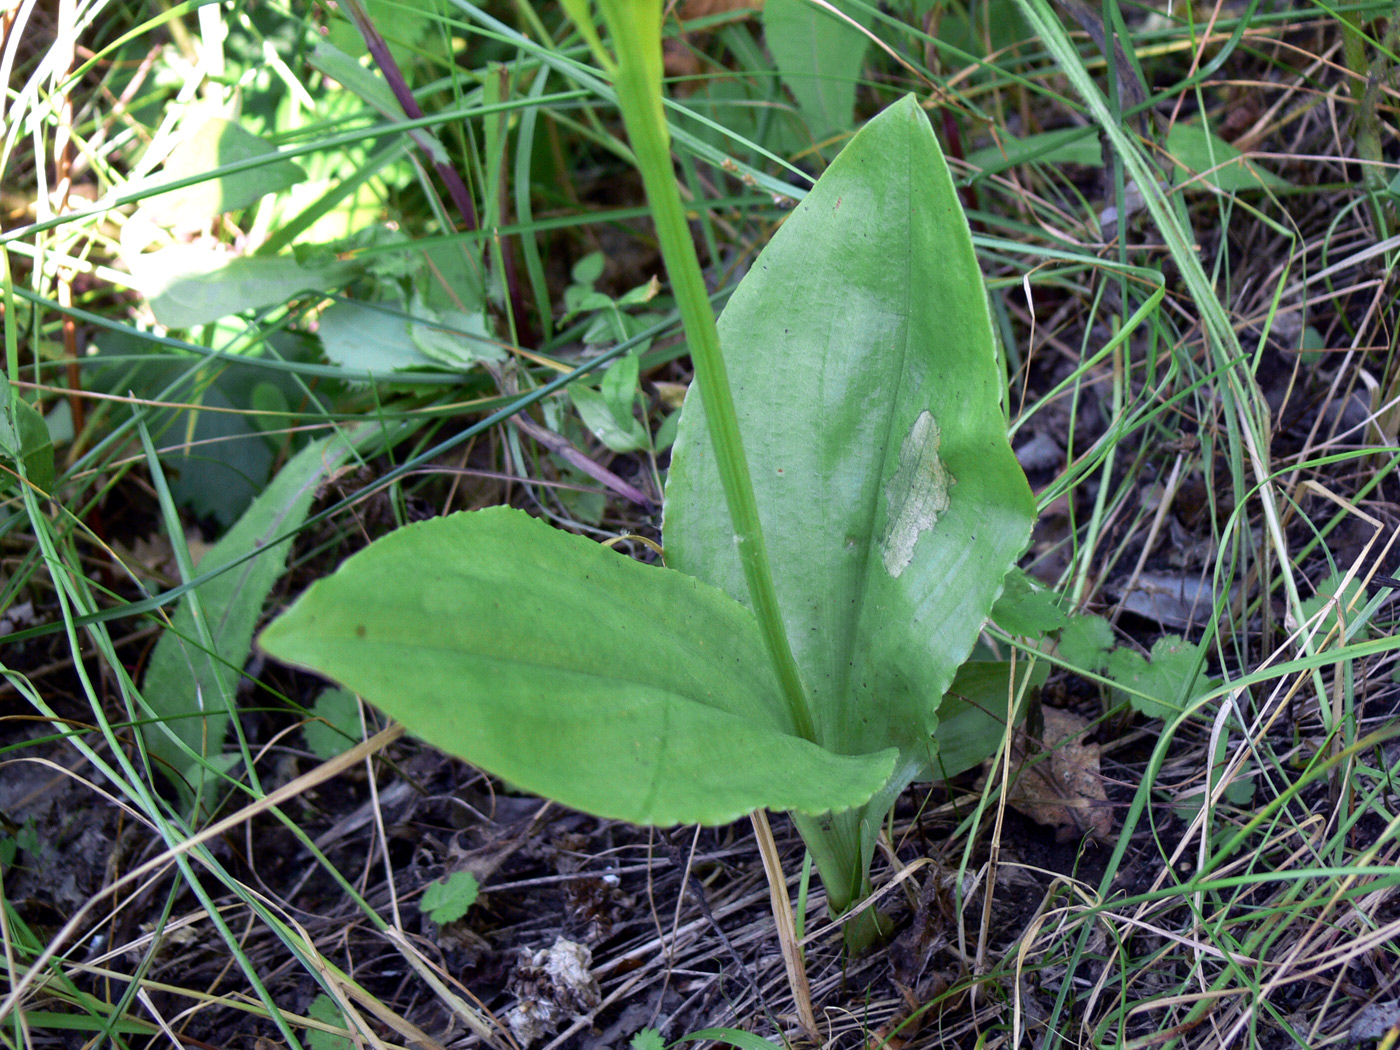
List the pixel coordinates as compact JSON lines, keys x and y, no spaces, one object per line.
{"x":559,"y":445}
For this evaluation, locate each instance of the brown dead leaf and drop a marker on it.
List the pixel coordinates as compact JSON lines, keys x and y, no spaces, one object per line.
{"x":1064,"y":788}
{"x":153,"y":559}
{"x":693,"y":9}
{"x":909,"y":1021}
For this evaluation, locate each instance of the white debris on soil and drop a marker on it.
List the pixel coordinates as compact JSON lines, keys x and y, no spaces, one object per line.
{"x":551,"y":986}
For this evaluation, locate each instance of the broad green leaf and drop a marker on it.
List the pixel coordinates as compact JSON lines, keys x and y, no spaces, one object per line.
{"x":619,"y":385}
{"x":1200,"y":150}
{"x":868,"y":389}
{"x":620,"y":689}
{"x":387,"y":336}
{"x":599,"y":415}
{"x":184,"y":684}
{"x":608,"y":411}
{"x":324,"y":1009}
{"x":453,"y":279}
{"x":363,"y":338}
{"x":588,"y":269}
{"x":216,"y":143}
{"x":427,"y":310}
{"x":270,"y":402}
{"x":450,"y":336}
{"x":1026,"y":608}
{"x":640,"y":295}
{"x":188,"y":285}
{"x":579,"y":297}
{"x":228,"y":462}
{"x":35,"y":444}
{"x":820,"y":58}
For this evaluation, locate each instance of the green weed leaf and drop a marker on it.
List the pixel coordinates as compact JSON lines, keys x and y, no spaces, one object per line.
{"x":363,"y":338}
{"x":1200,"y":150}
{"x":215,"y":143}
{"x":189,"y":285}
{"x":336,"y":726}
{"x":608,"y":411}
{"x":617,"y":688}
{"x":449,"y":900}
{"x":324,"y":1009}
{"x":1166,"y":685}
{"x":1027,"y":609}
{"x":588,"y":269}
{"x":25,"y":436}
{"x":608,"y":426}
{"x":1085,"y":642}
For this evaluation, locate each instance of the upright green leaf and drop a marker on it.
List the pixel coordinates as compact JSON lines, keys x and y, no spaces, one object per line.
{"x":185,"y":685}
{"x":820,"y":58}
{"x":868,"y":390}
{"x":617,"y":688}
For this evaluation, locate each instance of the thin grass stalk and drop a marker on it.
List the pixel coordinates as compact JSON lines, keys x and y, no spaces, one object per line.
{"x":73,"y":596}
{"x":635,"y":27}
{"x":1247,"y":424}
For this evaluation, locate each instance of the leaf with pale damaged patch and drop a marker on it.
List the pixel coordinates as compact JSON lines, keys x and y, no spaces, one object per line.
{"x":866,"y":380}
{"x":917,"y":495}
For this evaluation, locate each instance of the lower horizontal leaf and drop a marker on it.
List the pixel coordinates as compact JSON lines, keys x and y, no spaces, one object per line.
{"x":628,"y":691}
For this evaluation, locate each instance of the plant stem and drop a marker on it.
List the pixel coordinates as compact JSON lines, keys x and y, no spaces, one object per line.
{"x":1365,"y":90}
{"x":635,"y":26}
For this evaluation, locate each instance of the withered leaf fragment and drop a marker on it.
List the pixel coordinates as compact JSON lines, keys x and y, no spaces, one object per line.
{"x":1063,"y":788}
